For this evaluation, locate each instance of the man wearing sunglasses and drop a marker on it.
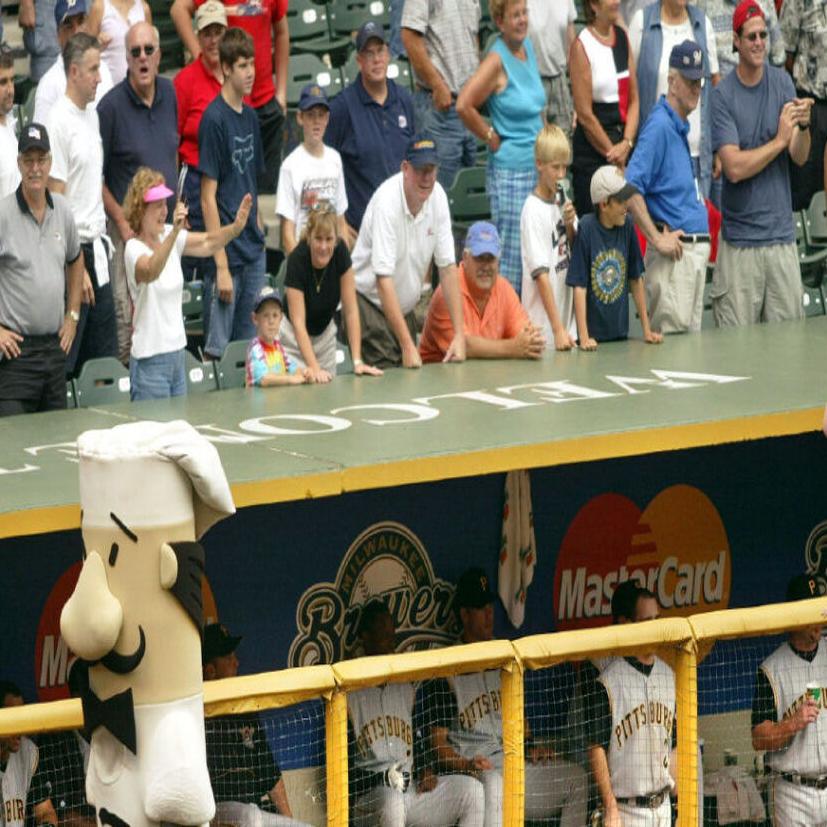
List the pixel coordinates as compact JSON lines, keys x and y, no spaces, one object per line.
{"x":70,"y":17}
{"x":758,"y":124}
{"x":139,"y":128}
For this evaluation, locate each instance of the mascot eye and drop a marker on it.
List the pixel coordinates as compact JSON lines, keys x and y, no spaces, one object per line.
{"x":113,"y":554}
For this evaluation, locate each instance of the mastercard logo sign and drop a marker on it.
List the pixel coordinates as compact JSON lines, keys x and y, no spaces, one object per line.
{"x":52,"y":657}
{"x":677,"y":547}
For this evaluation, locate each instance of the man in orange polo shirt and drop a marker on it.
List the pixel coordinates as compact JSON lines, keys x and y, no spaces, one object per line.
{"x":496,"y":325}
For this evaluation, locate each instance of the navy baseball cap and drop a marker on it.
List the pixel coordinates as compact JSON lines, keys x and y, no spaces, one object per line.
{"x":69,"y":8}
{"x":313,"y":95}
{"x":688,"y":59}
{"x":483,"y":239}
{"x":473,"y":591}
{"x":421,"y":151}
{"x":267,"y":294}
{"x":369,"y":31}
{"x":33,"y":136}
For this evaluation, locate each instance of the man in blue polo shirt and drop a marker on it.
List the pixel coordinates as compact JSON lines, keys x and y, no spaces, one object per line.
{"x":371,"y":124}
{"x":668,"y":207}
{"x":139,"y":128}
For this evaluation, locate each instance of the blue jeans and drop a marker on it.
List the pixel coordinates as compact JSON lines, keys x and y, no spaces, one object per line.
{"x":157,"y":377}
{"x":41,"y":42}
{"x":455,"y":146}
{"x":395,"y":13}
{"x":226,"y":322}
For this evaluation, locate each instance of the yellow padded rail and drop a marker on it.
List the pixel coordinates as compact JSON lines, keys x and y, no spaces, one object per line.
{"x":759,"y":620}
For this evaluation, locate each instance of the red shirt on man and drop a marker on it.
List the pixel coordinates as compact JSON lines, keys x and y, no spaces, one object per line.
{"x":195,"y":89}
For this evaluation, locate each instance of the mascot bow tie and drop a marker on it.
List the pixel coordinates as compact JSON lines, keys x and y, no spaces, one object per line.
{"x":117,"y":714}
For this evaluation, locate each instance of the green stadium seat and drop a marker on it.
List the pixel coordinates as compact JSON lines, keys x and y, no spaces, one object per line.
{"x":346,"y":16}
{"x":231,"y":366}
{"x":812,"y":262}
{"x":311,"y":30}
{"x":344,"y":361}
{"x":467,"y":197}
{"x":815,"y":222}
{"x":71,"y":400}
{"x":813,"y":301}
{"x":200,"y":375}
{"x":192,"y":306}
{"x":308,"y":68}
{"x":102,"y":382}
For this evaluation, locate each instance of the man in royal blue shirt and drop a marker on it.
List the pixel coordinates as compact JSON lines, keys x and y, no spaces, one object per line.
{"x":371,"y":124}
{"x":668,"y":207}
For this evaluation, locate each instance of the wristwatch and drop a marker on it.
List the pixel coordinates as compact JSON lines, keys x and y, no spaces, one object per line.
{"x":73,"y":315}
{"x":630,"y":142}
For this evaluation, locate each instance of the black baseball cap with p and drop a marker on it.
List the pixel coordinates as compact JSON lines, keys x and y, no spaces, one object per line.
{"x":369,"y":30}
{"x":803,"y":587}
{"x":218,"y":642}
{"x":473,"y":591}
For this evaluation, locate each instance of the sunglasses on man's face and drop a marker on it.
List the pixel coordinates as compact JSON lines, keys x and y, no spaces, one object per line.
{"x":753,"y":36}
{"x":148,"y":50}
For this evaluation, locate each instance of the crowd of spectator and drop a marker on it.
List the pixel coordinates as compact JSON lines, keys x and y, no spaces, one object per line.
{"x":689,"y":103}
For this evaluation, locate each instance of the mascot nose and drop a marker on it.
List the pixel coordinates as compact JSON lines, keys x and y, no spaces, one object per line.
{"x":92,"y":618}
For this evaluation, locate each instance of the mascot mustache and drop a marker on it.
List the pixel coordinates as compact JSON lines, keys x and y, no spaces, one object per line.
{"x":123,"y":664}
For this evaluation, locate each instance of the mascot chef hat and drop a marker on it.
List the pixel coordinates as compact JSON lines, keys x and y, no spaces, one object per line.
{"x":152,"y":474}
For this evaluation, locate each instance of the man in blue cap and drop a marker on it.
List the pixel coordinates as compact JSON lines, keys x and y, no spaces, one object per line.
{"x":668,"y":207}
{"x":407,"y":224}
{"x":496,"y":324}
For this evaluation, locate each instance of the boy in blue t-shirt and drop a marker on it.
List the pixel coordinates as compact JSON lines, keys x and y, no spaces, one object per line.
{"x":230,"y":158}
{"x":267,"y":363}
{"x":605,"y":264}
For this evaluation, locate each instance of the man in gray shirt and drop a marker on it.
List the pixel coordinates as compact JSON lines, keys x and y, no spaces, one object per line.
{"x":758,"y":125}
{"x":40,"y":263}
{"x":442,"y":42}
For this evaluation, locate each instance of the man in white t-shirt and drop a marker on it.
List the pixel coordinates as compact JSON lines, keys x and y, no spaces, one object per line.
{"x":311,"y":173}
{"x":9,"y":173}
{"x":77,"y":172}
{"x":406,"y":224}
{"x":551,"y":29}
{"x":70,"y":16}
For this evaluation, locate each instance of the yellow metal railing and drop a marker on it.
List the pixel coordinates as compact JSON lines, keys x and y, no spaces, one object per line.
{"x":681,"y":641}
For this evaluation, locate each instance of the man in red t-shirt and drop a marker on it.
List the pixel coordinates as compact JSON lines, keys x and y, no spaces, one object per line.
{"x":265,"y":22}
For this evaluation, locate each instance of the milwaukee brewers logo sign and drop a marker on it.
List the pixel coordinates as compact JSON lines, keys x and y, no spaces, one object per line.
{"x":386,"y":561}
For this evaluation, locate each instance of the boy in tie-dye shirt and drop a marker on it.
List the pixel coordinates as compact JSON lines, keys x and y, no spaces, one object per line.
{"x":267,"y":363}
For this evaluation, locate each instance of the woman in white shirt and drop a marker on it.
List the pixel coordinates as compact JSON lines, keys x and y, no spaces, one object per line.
{"x":156,"y":282}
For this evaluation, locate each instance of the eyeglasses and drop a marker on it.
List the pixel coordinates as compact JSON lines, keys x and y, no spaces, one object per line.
{"x":753,"y":36}
{"x":32,"y":161}
{"x":148,"y":49}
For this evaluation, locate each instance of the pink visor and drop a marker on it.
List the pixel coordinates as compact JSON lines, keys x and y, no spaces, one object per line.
{"x":160,"y":192}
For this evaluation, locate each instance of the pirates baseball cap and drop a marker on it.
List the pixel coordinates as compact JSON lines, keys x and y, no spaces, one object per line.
{"x":608,"y":182}
{"x":745,"y":10}
{"x":33,"y":136}
{"x":313,"y":95}
{"x":483,"y":239}
{"x":369,"y":30}
{"x":218,"y":642}
{"x":421,"y":151}
{"x":267,"y":294}
{"x":69,"y":8}
{"x":802,"y":587}
{"x":472,"y":590}
{"x":688,"y":59}
{"x":210,"y":12}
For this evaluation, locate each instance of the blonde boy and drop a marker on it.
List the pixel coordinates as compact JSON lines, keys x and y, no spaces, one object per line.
{"x":547,"y":228}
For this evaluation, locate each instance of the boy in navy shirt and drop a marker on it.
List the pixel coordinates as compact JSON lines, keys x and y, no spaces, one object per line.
{"x":605,"y":264}
{"x":230,"y":158}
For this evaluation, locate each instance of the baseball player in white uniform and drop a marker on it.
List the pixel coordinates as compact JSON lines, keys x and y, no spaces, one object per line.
{"x":632,"y":724}
{"x":787,"y":720}
{"x":384,"y":789}
{"x":19,"y":780}
{"x":464,"y":713}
